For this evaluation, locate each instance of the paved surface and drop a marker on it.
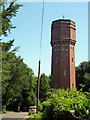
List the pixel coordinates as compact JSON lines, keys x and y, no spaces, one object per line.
{"x":15,"y":116}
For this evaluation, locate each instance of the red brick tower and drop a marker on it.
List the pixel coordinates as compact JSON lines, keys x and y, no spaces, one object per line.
{"x":63,"y":39}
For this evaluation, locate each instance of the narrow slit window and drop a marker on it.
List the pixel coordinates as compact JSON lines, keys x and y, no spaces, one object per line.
{"x":66,"y":47}
{"x":62,"y":46}
{"x":56,"y":60}
{"x":72,"y":60}
{"x":57,"y":47}
{"x":54,"y":47}
{"x":64,"y":72}
{"x":72,"y":85}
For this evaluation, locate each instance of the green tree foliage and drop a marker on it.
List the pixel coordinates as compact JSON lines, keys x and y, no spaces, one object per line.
{"x":44,"y":87}
{"x":65,"y":100}
{"x":18,"y":81}
{"x":83,"y":75}
{"x":8,"y":10}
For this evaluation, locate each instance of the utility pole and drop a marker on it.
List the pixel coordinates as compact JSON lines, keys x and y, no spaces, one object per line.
{"x":38,"y":85}
{"x":38,"y":82}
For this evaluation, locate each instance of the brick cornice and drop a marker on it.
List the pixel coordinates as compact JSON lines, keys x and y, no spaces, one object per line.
{"x":63,"y":40}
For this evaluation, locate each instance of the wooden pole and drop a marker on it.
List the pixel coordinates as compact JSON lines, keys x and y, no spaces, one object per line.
{"x":38,"y":85}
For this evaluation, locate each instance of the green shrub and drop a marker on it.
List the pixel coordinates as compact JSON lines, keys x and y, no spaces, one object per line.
{"x":45,"y":104}
{"x":40,"y":106}
{"x":67,"y":100}
{"x":35,"y":116}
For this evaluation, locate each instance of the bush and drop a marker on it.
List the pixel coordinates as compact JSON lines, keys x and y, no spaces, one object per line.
{"x":35,"y":116}
{"x":67,"y":100}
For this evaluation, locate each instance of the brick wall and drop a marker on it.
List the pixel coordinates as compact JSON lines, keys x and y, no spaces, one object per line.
{"x":63,"y":38}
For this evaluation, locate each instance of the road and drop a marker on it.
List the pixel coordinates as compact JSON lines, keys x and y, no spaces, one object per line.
{"x":15,"y":116}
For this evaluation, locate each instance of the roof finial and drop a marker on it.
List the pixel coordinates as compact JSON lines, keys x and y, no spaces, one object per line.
{"x":63,"y":16}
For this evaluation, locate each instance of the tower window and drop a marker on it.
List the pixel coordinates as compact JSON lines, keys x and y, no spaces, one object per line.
{"x":72,"y":60}
{"x":62,"y":46}
{"x":66,"y":47}
{"x":72,"y":85}
{"x":57,"y":47}
{"x":64,"y":72}
{"x":56,"y":60}
{"x":54,"y":47}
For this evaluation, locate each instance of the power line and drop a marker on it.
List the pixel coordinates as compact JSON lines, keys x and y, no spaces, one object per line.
{"x":41,"y":29}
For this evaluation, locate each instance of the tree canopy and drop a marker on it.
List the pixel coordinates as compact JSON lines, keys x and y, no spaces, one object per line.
{"x":8,"y":10}
{"x":18,"y":81}
{"x":44,"y":87}
{"x":83,"y":75}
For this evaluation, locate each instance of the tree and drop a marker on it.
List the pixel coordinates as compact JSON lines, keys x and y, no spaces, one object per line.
{"x":44,"y":87}
{"x":8,"y":10}
{"x":18,"y":81}
{"x":83,"y":75}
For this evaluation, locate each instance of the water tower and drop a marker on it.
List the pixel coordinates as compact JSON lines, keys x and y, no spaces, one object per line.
{"x":63,"y":39}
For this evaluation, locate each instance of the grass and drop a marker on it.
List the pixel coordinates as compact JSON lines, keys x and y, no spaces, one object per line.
{"x":3,"y":112}
{"x":35,"y":116}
